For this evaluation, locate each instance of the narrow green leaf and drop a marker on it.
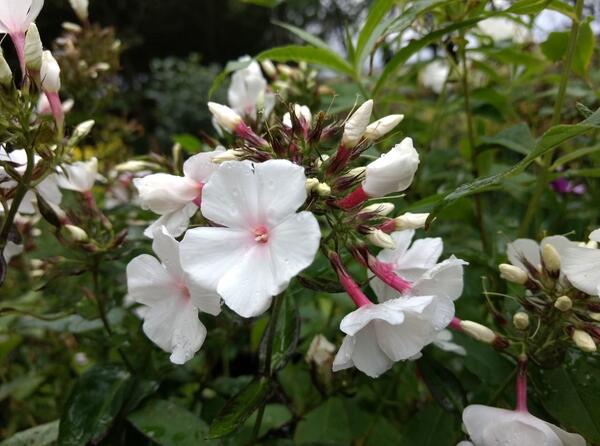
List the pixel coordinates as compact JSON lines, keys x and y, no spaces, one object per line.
{"x":287,"y":333}
{"x":517,"y":138}
{"x":304,"y":35}
{"x":585,"y":49}
{"x":373,"y":29}
{"x":168,"y":424}
{"x":576,"y":154}
{"x":42,"y":435}
{"x":239,"y":408}
{"x":309,"y":54}
{"x":188,"y":142}
{"x":93,"y":403}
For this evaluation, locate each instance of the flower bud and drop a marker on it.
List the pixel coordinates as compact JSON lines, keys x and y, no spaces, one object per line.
{"x":411,"y":221}
{"x":323,"y":189}
{"x":521,"y":320}
{"x":355,"y":173}
{"x":379,"y":238}
{"x":382,"y":127}
{"x":33,"y":48}
{"x":71,"y":27}
{"x":81,"y":8}
{"x":75,"y":233}
{"x":380,"y":209}
{"x":356,"y":125}
{"x":225,"y":116}
{"x":584,"y":341}
{"x":50,"y":73}
{"x":551,"y":258}
{"x":595,"y":316}
{"x":513,"y":274}
{"x":478,"y":332}
{"x":563,"y":303}
{"x":81,"y":131}
{"x":269,"y":68}
{"x":320,"y":352}
{"x":6,"y":78}
{"x":311,"y":184}
{"x":228,"y":155}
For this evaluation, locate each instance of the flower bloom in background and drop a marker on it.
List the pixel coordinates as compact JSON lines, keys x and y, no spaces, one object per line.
{"x":581,"y":265}
{"x":248,"y":91}
{"x":172,"y":300}
{"x":15,"y":18}
{"x":503,"y":28}
{"x":79,"y":177}
{"x":176,"y":199}
{"x":564,"y":186}
{"x":490,"y":426}
{"x":262,"y":244}
{"x":434,"y":75}
{"x":527,"y":254}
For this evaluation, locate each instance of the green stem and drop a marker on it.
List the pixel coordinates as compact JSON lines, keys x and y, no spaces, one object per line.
{"x":542,"y":181}
{"x":266,"y":369}
{"x":472,"y":143}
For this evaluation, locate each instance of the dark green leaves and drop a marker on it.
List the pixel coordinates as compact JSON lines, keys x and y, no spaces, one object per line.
{"x":286,"y":336}
{"x":443,"y":385}
{"x":36,"y":436}
{"x":239,"y":408}
{"x":571,"y":394}
{"x":170,"y":425}
{"x":94,"y":402}
{"x":555,"y":48}
{"x":328,"y":424}
{"x":309,"y":54}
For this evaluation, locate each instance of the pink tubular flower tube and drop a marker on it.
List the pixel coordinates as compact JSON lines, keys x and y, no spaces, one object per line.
{"x":347,"y":282}
{"x":522,"y":386}
{"x":354,"y":199}
{"x":384,"y":271}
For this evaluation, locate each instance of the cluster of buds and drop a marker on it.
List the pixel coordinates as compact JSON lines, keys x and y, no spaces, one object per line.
{"x":293,"y":84}
{"x":554,"y":314}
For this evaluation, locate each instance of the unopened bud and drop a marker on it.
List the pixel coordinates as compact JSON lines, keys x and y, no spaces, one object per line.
{"x":478,"y":332}
{"x":50,"y":73}
{"x":75,"y":233}
{"x":382,"y":127}
{"x":225,"y":116}
{"x":286,"y":70}
{"x":135,"y":166}
{"x":521,"y":320}
{"x":563,"y":303}
{"x":584,"y":341}
{"x":355,"y":173}
{"x":551,"y":258}
{"x":311,"y":184}
{"x":228,"y":155}
{"x":356,"y":126}
{"x":269,"y":68}
{"x":71,"y":27}
{"x":33,"y":48}
{"x":81,"y":8}
{"x":380,"y":209}
{"x":81,"y":131}
{"x":320,"y":352}
{"x":595,"y":316}
{"x":411,"y":221}
{"x":379,"y":238}
{"x":323,"y":189}
{"x":6,"y":78}
{"x":513,"y":274}
{"x":319,"y":162}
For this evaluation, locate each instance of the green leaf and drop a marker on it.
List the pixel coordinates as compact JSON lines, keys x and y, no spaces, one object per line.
{"x":188,"y":142}
{"x":554,"y":137}
{"x":416,"y":45}
{"x":517,"y":138}
{"x":571,"y":393}
{"x":576,"y":154}
{"x":584,"y":49}
{"x":555,"y":46}
{"x":275,"y":417}
{"x":42,"y":435}
{"x":231,"y":66}
{"x":444,"y":386}
{"x":239,"y":408}
{"x":21,"y":387}
{"x":373,"y":29}
{"x":431,"y":426}
{"x":93,"y":403}
{"x":168,"y":424}
{"x":264,"y":3}
{"x":326,"y":425}
{"x":286,"y":336}
{"x":304,"y":35}
{"x":309,"y":54}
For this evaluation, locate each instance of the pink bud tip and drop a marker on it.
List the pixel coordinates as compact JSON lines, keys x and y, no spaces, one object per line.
{"x":347,"y":282}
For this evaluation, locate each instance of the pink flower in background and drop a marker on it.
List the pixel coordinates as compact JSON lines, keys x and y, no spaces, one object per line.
{"x":262,"y":242}
{"x":172,"y":300}
{"x":564,"y":186}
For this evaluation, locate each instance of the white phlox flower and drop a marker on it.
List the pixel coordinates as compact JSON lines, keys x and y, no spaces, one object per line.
{"x":248,"y":91}
{"x":581,"y":265}
{"x":79,"y":176}
{"x":262,"y":242}
{"x":17,"y":15}
{"x":172,"y":301}
{"x":176,"y":199}
{"x":527,"y":253}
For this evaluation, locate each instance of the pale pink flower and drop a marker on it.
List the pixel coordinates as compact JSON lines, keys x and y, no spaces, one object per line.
{"x":262,"y":242}
{"x":172,"y":300}
{"x":248,"y":91}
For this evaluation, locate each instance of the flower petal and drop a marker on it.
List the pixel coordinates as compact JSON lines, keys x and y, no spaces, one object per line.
{"x":360,"y":318}
{"x":148,"y":282}
{"x":445,"y":280}
{"x":524,"y":248}
{"x":200,"y":167}
{"x":367,"y":356}
{"x":176,"y":222}
{"x":167,"y":250}
{"x":343,"y":358}
{"x":402,"y":239}
{"x":582,"y":267}
{"x":163,"y":193}
{"x":422,"y":255}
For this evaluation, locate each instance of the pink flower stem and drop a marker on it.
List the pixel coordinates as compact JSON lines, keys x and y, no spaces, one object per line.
{"x":388,"y":227}
{"x":455,"y":325}
{"x":57,"y":110}
{"x":385,"y":272}
{"x":522,"y":386}
{"x":340,"y":160}
{"x":354,"y":199}
{"x":18,"y":40}
{"x":347,"y":282}
{"x":246,"y":133}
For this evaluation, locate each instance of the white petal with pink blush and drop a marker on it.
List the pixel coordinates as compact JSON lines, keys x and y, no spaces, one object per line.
{"x":176,"y":198}
{"x":263,"y":242}
{"x":170,"y":302}
{"x":79,"y":176}
{"x":581,"y":265}
{"x":17,"y":15}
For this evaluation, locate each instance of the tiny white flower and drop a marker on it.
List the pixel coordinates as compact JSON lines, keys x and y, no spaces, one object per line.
{"x":17,"y":15}
{"x":582,"y":266}
{"x":393,"y":171}
{"x":172,"y":300}
{"x":50,"y":73}
{"x":357,"y":124}
{"x":262,"y":242}
{"x":490,"y":426}
{"x":79,"y":176}
{"x":248,"y":91}
{"x":176,"y":199}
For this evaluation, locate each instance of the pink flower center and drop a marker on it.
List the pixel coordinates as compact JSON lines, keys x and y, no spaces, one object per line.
{"x":261,"y":234}
{"x":184,"y":290}
{"x":198,"y":200}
